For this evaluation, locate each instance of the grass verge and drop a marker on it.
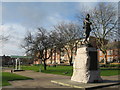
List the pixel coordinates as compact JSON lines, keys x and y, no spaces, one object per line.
{"x":68,"y":70}
{"x":6,"y":76}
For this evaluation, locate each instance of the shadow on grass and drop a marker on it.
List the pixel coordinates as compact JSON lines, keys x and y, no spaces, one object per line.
{"x":6,"y":76}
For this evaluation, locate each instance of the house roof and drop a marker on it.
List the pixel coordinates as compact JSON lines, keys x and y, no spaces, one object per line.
{"x":113,"y":45}
{"x":20,"y":56}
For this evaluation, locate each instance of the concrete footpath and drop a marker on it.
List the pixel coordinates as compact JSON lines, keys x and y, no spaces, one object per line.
{"x":42,"y":80}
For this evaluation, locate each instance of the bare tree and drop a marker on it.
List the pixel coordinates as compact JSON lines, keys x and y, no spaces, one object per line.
{"x":4,"y":38}
{"x":104,"y":24}
{"x":43,"y":44}
{"x":57,"y":41}
{"x":3,"y":35}
{"x":38,"y":45}
{"x":28,"y":43}
{"x":69,"y":33}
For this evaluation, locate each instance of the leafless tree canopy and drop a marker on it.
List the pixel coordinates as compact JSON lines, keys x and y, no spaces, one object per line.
{"x":104,"y":19}
{"x":4,"y":38}
{"x":104,"y":23}
{"x":69,"y":33}
{"x":62,"y":37}
{"x":38,"y":44}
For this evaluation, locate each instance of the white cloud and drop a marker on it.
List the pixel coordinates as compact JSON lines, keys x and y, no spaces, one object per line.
{"x":36,"y":14}
{"x":86,"y":6}
{"x":45,"y":16}
{"x":16,"y":34}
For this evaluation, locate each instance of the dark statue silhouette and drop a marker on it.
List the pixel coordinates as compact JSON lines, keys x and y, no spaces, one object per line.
{"x":87,"y":27}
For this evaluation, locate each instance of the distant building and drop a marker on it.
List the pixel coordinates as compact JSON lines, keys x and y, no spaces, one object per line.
{"x":10,"y":60}
{"x":6,"y":60}
{"x":62,"y":57}
{"x":113,"y":53}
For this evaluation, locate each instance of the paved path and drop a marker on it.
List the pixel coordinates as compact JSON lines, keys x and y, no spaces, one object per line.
{"x":42,"y":80}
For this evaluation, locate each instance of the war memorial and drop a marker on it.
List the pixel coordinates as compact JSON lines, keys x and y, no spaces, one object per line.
{"x":86,"y":70}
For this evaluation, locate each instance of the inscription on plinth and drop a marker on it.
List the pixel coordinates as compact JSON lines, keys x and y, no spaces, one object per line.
{"x":93,"y":60}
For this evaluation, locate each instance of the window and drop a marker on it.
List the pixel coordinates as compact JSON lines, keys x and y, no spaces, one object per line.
{"x":110,"y":59}
{"x":100,"y":53}
{"x":110,"y":52}
{"x":101,"y":58}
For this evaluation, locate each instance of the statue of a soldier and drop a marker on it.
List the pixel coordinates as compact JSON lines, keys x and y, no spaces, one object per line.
{"x":87,"y":27}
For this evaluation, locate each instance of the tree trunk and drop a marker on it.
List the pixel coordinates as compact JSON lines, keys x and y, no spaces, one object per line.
{"x":45,"y":65}
{"x":45,"y":58}
{"x":55,"y":58}
{"x":70,"y":61}
{"x":105,"y":59}
{"x":51,"y":58}
{"x":60,"y":55}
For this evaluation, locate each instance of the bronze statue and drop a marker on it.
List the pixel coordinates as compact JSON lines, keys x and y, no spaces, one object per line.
{"x":87,"y":27}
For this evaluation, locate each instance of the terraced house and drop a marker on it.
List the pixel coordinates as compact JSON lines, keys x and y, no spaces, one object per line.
{"x":62,"y":57}
{"x":113,"y":53}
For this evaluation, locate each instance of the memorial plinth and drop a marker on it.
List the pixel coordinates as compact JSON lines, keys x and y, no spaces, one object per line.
{"x":85,"y":67}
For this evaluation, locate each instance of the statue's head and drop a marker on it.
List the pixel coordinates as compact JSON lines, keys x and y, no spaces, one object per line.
{"x":88,"y":16}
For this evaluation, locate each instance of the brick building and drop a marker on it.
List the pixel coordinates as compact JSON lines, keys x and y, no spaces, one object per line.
{"x":62,"y":57}
{"x":113,"y":53}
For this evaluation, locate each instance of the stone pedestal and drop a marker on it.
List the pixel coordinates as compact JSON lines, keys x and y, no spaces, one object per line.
{"x":85,"y":67}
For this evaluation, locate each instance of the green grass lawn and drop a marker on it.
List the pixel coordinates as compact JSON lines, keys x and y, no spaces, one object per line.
{"x":6,"y":76}
{"x":67,"y":70}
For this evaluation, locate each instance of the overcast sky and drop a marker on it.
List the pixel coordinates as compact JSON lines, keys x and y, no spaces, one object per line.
{"x":19,"y":17}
